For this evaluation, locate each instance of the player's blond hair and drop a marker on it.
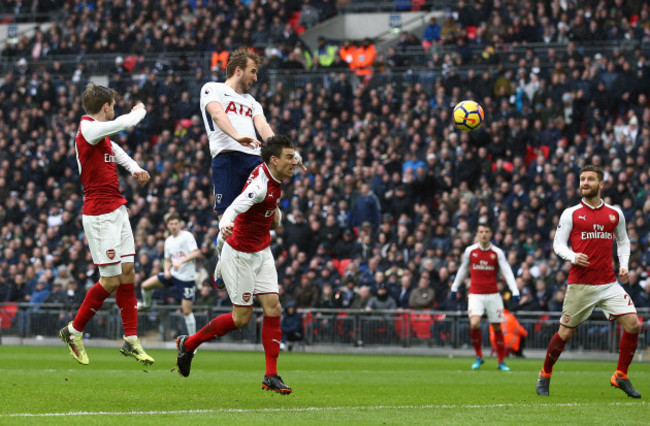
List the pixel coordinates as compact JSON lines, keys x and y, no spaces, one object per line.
{"x":95,"y":96}
{"x":239,"y":58}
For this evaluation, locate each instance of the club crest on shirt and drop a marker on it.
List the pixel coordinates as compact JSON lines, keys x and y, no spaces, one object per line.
{"x":246,"y":297}
{"x":110,"y":253}
{"x":612,"y":218}
{"x":493,"y":256}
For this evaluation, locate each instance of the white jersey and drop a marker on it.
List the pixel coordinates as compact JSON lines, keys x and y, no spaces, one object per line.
{"x":240,"y":110}
{"x":176,"y":248}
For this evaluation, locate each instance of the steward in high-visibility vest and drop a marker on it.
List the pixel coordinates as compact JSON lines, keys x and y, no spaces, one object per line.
{"x":325,"y":52}
{"x":347,"y":53}
{"x":365,"y":58}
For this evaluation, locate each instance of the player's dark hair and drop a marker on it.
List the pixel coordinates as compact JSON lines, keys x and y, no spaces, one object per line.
{"x":273,"y":147}
{"x":172,"y":216}
{"x":239,"y":58}
{"x":95,"y":96}
{"x":596,"y":169}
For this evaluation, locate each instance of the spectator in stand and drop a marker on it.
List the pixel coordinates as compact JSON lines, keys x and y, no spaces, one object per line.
{"x":431,"y":34}
{"x":292,"y":327}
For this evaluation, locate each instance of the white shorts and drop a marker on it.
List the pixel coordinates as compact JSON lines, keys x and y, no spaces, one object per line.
{"x":110,"y":240}
{"x":478,"y":304}
{"x":248,"y":274}
{"x":581,"y":299}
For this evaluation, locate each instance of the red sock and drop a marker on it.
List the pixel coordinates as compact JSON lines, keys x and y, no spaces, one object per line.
{"x":128,"y":304}
{"x":626,"y":349}
{"x":498,"y":340}
{"x":476,"y":338}
{"x":218,"y":326}
{"x":92,"y":303}
{"x":555,"y":348}
{"x":271,"y":337}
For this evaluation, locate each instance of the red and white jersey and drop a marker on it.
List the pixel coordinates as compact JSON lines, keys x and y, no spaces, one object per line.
{"x":98,"y":174}
{"x":483,"y":264}
{"x":240,"y":110}
{"x":253,"y":210}
{"x":591,"y":230}
{"x":96,"y":158}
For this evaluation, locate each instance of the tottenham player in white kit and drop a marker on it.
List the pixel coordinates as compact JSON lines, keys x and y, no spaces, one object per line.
{"x":483,"y":261}
{"x":105,"y":219}
{"x":179,"y":270}
{"x":231,"y":117}
{"x":591,"y":227}
{"x":248,"y":264}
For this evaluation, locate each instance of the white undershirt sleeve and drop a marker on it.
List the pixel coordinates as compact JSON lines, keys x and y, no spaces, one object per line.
{"x":463,"y":269}
{"x":560,"y":242}
{"x":95,"y":131}
{"x":622,"y":241}
{"x":252,"y":195}
{"x":506,"y":271}
{"x":123,"y":159}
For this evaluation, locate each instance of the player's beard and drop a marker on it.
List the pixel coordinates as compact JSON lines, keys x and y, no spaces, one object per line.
{"x":590,"y":192}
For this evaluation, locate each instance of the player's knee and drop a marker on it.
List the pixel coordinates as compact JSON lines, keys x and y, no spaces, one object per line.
{"x":110,"y":284}
{"x":241,"y":319}
{"x":634,"y":327}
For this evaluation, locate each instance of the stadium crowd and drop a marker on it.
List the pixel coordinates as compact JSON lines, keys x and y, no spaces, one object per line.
{"x":393,"y":192}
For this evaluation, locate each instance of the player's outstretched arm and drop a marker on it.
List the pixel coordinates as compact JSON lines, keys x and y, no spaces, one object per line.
{"x":262,"y":126}
{"x":95,"y":131}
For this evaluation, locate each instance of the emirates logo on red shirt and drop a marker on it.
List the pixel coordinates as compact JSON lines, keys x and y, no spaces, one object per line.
{"x":110,"y":253}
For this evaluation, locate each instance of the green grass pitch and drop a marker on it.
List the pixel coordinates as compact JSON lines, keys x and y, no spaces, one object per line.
{"x":44,"y":385}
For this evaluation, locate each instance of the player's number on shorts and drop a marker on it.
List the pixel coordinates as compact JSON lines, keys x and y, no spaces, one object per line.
{"x":188,"y":292}
{"x":629,"y":300}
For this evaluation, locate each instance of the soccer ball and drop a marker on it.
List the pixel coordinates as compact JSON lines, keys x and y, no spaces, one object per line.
{"x":468,"y":115}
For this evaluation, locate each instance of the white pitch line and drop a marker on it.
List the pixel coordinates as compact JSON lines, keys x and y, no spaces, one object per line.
{"x":307,"y":409}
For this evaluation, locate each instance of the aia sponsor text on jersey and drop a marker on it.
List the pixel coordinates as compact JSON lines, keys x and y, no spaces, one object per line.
{"x":243,"y":110}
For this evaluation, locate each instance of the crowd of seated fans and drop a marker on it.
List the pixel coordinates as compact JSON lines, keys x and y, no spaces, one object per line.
{"x":393,"y":192}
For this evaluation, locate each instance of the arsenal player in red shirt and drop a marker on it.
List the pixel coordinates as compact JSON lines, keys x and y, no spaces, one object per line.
{"x":248,"y":266}
{"x":105,"y":219}
{"x":590,"y":228}
{"x":483,"y":261}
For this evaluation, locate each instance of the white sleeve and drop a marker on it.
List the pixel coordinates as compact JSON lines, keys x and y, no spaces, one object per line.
{"x":167,"y":254}
{"x":506,"y":271}
{"x":190,"y":242}
{"x":560,"y":242}
{"x":257,"y":109}
{"x":622,"y":241}
{"x":123,"y":159}
{"x":95,"y":131}
{"x":463,"y":269}
{"x":253,"y":194}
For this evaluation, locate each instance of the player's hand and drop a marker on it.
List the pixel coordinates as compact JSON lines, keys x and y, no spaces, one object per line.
{"x":176,"y":265}
{"x":298,"y":158}
{"x":226,"y":230}
{"x":137,"y":106}
{"x":581,"y":260}
{"x":452,"y":295}
{"x":142,"y":177}
{"x":516,"y":299}
{"x":167,"y":274}
{"x":252,"y":143}
{"x":623,"y":276}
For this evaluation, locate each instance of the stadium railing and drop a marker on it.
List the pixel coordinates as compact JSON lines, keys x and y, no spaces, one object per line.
{"x":322,"y":327}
